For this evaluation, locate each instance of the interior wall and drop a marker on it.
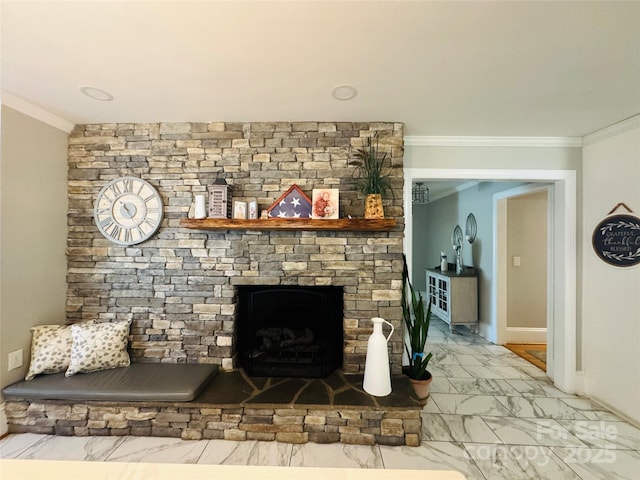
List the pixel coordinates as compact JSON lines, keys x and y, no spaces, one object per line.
{"x":33,"y":212}
{"x":611,"y":309}
{"x":527,"y":277}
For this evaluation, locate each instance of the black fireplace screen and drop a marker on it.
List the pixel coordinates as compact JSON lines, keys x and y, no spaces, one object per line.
{"x":289,"y":330}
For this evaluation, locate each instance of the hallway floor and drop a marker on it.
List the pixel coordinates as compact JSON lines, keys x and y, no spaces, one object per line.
{"x":491,"y":415}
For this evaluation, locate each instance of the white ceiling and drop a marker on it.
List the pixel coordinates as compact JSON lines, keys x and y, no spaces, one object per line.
{"x":446,"y":68}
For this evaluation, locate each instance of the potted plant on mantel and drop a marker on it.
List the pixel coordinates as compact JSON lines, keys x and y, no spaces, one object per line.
{"x":373,"y":181}
{"x":416,"y":320}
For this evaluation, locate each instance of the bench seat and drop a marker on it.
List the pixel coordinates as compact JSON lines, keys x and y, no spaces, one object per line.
{"x":143,"y":382}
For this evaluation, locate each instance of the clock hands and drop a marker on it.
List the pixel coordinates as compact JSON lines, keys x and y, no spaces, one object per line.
{"x":125,"y":206}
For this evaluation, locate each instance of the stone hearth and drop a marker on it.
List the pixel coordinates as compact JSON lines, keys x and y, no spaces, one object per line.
{"x":235,"y":406}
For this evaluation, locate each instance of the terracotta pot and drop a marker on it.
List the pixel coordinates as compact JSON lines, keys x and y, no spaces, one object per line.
{"x":373,"y":206}
{"x":421,"y":387}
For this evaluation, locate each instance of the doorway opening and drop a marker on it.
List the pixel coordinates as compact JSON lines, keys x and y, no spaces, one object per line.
{"x":561,"y":327}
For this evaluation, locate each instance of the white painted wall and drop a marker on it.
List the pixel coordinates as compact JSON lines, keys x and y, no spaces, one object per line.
{"x":611,"y":295}
{"x":33,"y":213}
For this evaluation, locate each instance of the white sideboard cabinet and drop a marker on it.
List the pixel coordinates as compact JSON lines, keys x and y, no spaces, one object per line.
{"x":454,"y":298}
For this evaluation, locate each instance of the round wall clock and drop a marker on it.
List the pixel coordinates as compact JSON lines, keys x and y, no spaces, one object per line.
{"x":128,"y":210}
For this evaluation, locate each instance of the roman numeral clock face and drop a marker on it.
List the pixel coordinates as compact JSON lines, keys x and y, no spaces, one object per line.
{"x":128,"y":210}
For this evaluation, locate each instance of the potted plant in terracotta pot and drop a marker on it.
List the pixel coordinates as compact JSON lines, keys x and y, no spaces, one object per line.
{"x":373,"y":179}
{"x":416,"y":320}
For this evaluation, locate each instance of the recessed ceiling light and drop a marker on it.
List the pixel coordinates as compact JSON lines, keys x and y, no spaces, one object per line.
{"x":96,"y":93}
{"x":344,"y":92}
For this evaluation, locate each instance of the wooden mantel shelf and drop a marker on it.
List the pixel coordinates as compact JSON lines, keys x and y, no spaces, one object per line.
{"x":342,"y":224}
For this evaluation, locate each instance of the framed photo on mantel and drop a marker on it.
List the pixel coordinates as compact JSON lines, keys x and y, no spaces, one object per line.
{"x":325,"y":203}
{"x":239,"y":210}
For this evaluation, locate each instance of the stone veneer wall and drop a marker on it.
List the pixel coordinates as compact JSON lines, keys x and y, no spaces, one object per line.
{"x":179,"y":288}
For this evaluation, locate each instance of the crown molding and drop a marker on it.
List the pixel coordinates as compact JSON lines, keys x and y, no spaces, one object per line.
{"x":31,"y":110}
{"x":442,"y":141}
{"x":613,"y":130}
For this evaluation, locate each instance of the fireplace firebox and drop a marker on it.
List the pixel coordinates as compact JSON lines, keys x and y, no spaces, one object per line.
{"x":291,"y":331}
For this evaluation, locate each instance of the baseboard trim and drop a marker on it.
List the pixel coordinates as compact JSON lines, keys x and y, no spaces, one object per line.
{"x":526,"y":335}
{"x":614,"y":410}
{"x":579,"y":383}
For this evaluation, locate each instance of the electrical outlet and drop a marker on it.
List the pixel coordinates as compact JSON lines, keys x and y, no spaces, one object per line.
{"x":15,"y":359}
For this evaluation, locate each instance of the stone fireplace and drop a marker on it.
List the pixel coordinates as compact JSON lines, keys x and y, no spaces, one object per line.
{"x":181,"y":288}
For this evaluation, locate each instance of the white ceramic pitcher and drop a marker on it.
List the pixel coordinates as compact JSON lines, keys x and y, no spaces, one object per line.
{"x":377,"y":377}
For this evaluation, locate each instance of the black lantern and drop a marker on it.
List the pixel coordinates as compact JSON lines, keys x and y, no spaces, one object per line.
{"x":420,"y":193}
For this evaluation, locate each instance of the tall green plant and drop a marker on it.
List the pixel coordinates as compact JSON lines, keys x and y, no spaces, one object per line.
{"x":372,"y":177}
{"x":417,"y":320}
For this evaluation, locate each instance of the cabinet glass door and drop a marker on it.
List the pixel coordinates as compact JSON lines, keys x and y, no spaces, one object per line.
{"x":432,"y":290}
{"x":443,"y":294}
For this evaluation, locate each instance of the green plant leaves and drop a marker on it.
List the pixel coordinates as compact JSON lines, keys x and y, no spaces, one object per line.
{"x":416,"y":320}
{"x":372,"y":176}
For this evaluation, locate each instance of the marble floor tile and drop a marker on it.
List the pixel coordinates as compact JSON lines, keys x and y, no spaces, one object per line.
{"x":503,"y":373}
{"x":158,"y":450}
{"x":498,"y":349}
{"x":455,"y":359}
{"x":484,"y":405}
{"x":482,"y":386}
{"x":504,"y":360}
{"x":538,"y":388}
{"x":448,"y":371}
{"x":432,"y":456}
{"x":456,"y":428}
{"x":449,"y":339}
{"x":441,"y":385}
{"x":336,"y":455}
{"x":15,"y":444}
{"x":599,"y":463}
{"x":464,"y":349}
{"x":540,"y":407}
{"x":591,"y":410}
{"x":533,"y":372}
{"x":52,"y":447}
{"x":605,"y":434}
{"x":531,"y":431}
{"x":431,"y":406}
{"x":460,"y":340}
{"x":519,"y":462}
{"x":250,"y":452}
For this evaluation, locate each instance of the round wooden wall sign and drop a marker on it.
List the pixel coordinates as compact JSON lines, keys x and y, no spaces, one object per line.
{"x":616,"y":240}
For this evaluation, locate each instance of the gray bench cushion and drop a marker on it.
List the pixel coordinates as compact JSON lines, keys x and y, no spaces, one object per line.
{"x":139,"y":382}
